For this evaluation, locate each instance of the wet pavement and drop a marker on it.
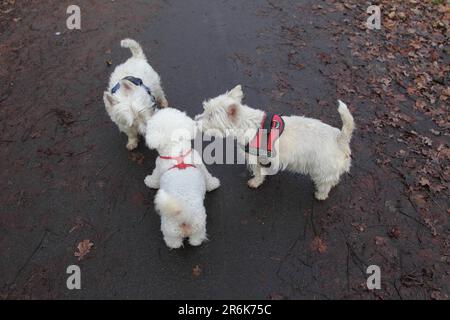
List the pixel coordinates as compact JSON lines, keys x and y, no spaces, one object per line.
{"x":67,"y":177}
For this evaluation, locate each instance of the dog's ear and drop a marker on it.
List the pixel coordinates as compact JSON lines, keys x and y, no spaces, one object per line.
{"x":233,"y":111}
{"x":126,"y":86}
{"x":186,"y":130}
{"x":154,"y":138}
{"x":237,"y":93}
{"x":109,"y":100}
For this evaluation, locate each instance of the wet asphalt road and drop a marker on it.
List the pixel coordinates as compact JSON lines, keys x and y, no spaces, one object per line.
{"x":68,"y":177}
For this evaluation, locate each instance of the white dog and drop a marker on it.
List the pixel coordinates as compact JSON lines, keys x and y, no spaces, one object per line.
{"x":307,"y":146}
{"x":180,"y":176}
{"x":134,"y":90}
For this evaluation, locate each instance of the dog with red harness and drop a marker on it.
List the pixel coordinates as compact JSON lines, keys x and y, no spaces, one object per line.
{"x":294,"y":143}
{"x":180,"y":176}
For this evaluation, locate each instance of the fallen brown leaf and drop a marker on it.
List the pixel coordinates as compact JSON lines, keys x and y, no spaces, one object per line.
{"x":276,"y":296}
{"x":196,"y":271}
{"x":424,"y":182}
{"x":84,"y":247}
{"x":137,"y":157}
{"x":380,"y":241}
{"x":318,"y":245}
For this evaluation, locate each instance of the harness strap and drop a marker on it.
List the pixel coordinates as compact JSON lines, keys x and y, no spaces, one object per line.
{"x":137,"y":82}
{"x":272,"y":126}
{"x":181,"y":165}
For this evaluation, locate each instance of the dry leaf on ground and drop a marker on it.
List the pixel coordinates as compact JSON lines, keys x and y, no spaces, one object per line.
{"x":84,"y":247}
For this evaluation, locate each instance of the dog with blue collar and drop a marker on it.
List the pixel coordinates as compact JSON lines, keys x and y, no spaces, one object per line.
{"x":134,"y":95}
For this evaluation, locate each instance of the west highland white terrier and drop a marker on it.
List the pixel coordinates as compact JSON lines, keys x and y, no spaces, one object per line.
{"x":180,"y":176}
{"x":306,"y":146}
{"x":133,"y":94}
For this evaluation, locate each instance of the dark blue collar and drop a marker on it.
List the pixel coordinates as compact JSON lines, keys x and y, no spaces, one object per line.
{"x":137,"y":82}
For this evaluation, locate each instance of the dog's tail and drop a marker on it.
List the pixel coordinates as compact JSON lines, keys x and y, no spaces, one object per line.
{"x":135,"y":48}
{"x":167,"y":205}
{"x":345,"y":135}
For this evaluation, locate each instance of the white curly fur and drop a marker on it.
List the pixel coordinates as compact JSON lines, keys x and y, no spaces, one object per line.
{"x":307,"y":146}
{"x":179,"y":200}
{"x":131,"y":106}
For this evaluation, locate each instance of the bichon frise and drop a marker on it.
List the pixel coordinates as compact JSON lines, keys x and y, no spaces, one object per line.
{"x":306,"y":146}
{"x":134,"y":92}
{"x":180,"y":176}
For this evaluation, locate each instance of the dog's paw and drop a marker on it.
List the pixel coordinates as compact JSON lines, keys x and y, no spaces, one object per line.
{"x":174,"y":243}
{"x":196,"y":241}
{"x":132,"y":144}
{"x":213,"y":184}
{"x":151,"y":182}
{"x":321,"y":196}
{"x":254,"y":183}
{"x":164,"y":103}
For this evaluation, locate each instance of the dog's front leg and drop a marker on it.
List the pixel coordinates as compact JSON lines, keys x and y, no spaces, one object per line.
{"x":152,"y":181}
{"x":212,"y":183}
{"x":133,"y":139}
{"x":258,"y":177}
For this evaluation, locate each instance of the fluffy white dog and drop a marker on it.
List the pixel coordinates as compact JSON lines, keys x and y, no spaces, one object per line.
{"x":134,"y":90}
{"x":307,"y":146}
{"x":180,"y":176}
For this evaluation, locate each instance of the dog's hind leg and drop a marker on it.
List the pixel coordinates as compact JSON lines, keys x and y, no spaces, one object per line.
{"x":163,"y":102}
{"x":173,"y":242}
{"x":323,"y":188}
{"x":322,"y":191}
{"x":197,"y":238}
{"x":161,"y":97}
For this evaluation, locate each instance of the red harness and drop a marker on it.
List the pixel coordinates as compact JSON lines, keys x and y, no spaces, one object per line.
{"x":272,"y":126}
{"x":181,"y":165}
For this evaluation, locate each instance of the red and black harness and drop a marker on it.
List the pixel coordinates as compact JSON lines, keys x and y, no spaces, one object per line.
{"x":181,"y":165}
{"x":262,"y":145}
